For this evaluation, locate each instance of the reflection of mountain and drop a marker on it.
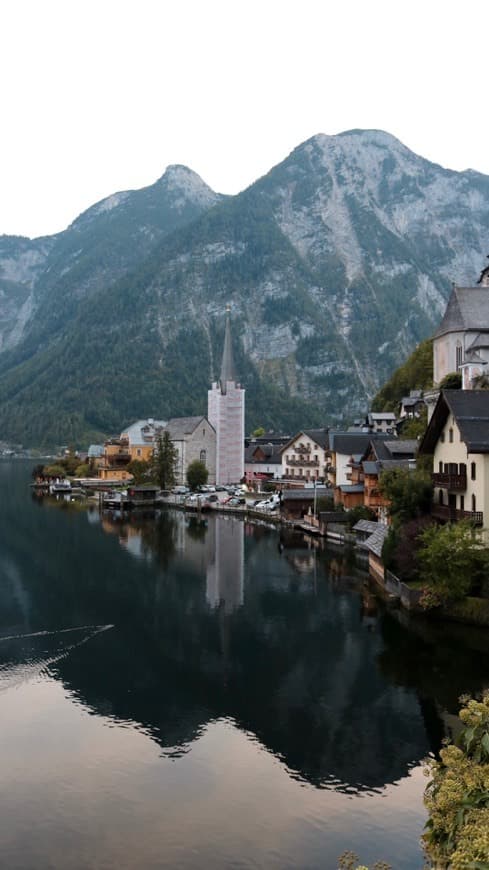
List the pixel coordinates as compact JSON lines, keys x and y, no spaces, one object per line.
{"x":288,"y":656}
{"x":285,"y":655}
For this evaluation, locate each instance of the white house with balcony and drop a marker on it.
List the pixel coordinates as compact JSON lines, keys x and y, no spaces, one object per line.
{"x":304,"y":456}
{"x":458,"y":437}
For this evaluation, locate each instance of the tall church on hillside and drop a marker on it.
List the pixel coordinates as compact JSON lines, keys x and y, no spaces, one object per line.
{"x":225,"y":412}
{"x":461,"y":342}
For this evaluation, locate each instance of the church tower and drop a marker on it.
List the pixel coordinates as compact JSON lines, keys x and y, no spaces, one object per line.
{"x":225,"y":411}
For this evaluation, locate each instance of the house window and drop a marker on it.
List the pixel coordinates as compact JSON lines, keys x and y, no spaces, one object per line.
{"x":442,"y":437}
{"x":462,"y":503}
{"x":440,"y":467}
{"x":203,"y":456}
{"x":473,"y":503}
{"x":458,"y":355}
{"x":440,"y":496}
{"x":462,"y":469}
{"x":138,"y":451}
{"x":203,"y":433}
{"x":450,"y":435}
{"x":472,"y":470}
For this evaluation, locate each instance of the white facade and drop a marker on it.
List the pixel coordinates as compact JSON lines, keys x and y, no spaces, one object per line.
{"x":194,"y":439}
{"x":226,"y":412}
{"x":303,"y":457}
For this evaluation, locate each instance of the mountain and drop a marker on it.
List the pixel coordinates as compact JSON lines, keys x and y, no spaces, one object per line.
{"x":336,"y":264}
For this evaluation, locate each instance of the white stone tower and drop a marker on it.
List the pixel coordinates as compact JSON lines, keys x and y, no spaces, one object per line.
{"x":226,"y":406}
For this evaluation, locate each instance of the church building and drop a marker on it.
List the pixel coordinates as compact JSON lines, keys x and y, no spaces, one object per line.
{"x":461,"y":342}
{"x":226,"y":409}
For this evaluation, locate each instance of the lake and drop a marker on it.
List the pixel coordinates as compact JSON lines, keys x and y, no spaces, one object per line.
{"x":187,"y":693}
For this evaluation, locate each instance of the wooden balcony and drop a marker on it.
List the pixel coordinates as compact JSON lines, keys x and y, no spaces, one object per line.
{"x":302,"y":448}
{"x":303,"y":463}
{"x":454,"y":482}
{"x":453,"y":515}
{"x":116,"y":460}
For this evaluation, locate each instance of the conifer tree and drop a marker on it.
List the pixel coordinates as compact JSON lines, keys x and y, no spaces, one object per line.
{"x":164,"y":461}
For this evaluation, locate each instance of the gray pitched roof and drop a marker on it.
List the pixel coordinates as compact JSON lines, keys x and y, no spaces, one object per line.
{"x":376,"y":540}
{"x":300,"y":494}
{"x":470,"y":409}
{"x":272,"y":454}
{"x":381,"y":415}
{"x":353,"y":443}
{"x":351,"y":488}
{"x":468,"y":308}
{"x":366,"y":526}
{"x":320,"y":436}
{"x":333,"y":516}
{"x":370,"y":467}
{"x":178,"y":427}
{"x":394,"y":449}
{"x":401,"y":446}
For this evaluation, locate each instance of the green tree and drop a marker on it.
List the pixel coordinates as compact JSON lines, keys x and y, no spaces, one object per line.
{"x":141,"y":470}
{"x":451,"y":381}
{"x":453,"y":560}
{"x":360,"y":512}
{"x":415,"y":374}
{"x":409,"y":493}
{"x":257,"y":433}
{"x":415,"y":427}
{"x":163,"y":466}
{"x":197,"y":474}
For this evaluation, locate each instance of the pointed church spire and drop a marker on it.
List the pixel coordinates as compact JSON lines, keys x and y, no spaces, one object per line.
{"x":228,"y":372}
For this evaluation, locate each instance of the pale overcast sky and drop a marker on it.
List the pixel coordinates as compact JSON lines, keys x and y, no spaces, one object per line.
{"x":102,"y":95}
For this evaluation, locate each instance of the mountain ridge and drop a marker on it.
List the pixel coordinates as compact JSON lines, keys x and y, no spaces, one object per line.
{"x":337,"y":262}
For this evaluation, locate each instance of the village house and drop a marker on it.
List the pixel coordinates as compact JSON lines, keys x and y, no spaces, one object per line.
{"x":411,"y":406}
{"x":141,"y":437}
{"x":304,"y":456}
{"x":382,"y":421}
{"x":114,"y":461}
{"x":345,"y":450}
{"x":381,"y":456}
{"x":262,"y":462}
{"x":458,"y":438}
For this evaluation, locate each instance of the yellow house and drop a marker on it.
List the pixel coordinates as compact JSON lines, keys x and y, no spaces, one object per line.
{"x":458,"y":438}
{"x":140,"y":437}
{"x":116,"y":457}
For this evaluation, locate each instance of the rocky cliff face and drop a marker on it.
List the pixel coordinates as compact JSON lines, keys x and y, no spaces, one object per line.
{"x":336,"y":264}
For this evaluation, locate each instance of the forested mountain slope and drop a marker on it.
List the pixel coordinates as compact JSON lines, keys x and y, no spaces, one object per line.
{"x":336,"y":264}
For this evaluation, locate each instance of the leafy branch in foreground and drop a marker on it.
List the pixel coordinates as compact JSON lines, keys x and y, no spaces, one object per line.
{"x":457,"y":796}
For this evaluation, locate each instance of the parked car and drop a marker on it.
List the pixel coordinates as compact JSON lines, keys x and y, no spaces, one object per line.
{"x":180,"y":490}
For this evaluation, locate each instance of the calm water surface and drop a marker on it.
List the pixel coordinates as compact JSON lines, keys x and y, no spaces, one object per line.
{"x":191,"y":695}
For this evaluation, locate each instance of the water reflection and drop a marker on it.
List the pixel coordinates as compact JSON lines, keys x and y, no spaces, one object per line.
{"x":218,"y":619}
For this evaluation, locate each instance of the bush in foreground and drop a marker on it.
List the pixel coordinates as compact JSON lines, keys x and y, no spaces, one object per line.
{"x":457,"y":796}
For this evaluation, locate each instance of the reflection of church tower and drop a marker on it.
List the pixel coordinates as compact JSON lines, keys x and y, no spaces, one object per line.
{"x":225,"y":574}
{"x":226,"y":414}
